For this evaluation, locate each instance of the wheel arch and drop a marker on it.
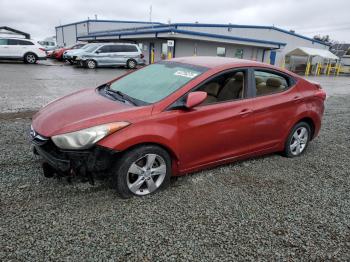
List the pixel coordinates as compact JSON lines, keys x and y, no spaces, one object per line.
{"x":30,"y":52}
{"x":174,"y":157}
{"x":310,"y":122}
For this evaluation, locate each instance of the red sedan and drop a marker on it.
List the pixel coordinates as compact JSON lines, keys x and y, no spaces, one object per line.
{"x":175,"y":117}
{"x":58,"y":53}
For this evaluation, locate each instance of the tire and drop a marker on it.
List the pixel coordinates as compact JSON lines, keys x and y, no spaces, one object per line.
{"x":298,"y":140}
{"x":91,"y":64}
{"x":131,"y":64}
{"x":30,"y":58}
{"x":142,"y":171}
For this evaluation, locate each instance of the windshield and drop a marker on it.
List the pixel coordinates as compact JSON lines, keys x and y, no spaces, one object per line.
{"x":155,"y":82}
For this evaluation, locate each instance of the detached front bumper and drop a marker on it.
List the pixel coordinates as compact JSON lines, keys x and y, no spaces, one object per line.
{"x":84,"y":163}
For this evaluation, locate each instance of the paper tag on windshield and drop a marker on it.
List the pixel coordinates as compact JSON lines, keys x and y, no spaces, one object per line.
{"x":185,"y":74}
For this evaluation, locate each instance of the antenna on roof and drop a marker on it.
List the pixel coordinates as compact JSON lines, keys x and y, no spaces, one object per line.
{"x":95,"y":17}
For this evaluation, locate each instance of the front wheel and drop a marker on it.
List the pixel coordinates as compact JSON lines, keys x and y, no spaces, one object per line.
{"x":131,"y":64}
{"x":30,"y":58}
{"x":91,"y":64}
{"x":298,"y":140}
{"x":142,"y":171}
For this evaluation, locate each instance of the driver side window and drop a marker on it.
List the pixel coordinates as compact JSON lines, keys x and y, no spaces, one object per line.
{"x":224,"y":87}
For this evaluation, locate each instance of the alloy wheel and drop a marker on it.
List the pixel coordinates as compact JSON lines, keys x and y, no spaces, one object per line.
{"x":30,"y":59}
{"x":132,"y":64}
{"x":146,"y":174}
{"x":299,"y":141}
{"x":91,"y":64}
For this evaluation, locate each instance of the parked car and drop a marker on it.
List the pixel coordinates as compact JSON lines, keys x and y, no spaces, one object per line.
{"x":176,"y":117}
{"x":48,"y":45}
{"x":71,"y":55}
{"x":21,"y":49}
{"x":112,"y":54}
{"x":58,"y":53}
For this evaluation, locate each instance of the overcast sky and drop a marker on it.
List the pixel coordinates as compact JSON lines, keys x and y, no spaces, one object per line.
{"x":308,"y":17}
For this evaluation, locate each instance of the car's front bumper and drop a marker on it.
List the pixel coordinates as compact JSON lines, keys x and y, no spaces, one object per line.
{"x":84,"y":163}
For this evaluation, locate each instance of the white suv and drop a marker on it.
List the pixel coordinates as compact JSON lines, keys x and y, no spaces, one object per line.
{"x":21,"y":49}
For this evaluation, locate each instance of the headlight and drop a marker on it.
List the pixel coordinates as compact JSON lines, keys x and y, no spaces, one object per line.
{"x":86,"y":138}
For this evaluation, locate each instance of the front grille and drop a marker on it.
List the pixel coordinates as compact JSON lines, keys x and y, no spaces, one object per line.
{"x":36,"y":138}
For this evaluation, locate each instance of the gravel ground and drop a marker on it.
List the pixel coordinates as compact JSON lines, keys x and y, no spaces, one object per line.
{"x":269,"y":208}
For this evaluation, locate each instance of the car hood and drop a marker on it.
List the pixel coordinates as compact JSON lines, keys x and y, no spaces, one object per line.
{"x":83,"y":109}
{"x":71,"y":52}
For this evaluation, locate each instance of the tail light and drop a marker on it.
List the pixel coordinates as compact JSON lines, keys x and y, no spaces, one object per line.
{"x":142,"y":56}
{"x":42,"y":49}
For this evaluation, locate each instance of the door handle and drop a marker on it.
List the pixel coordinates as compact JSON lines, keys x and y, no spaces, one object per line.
{"x":296,"y":99}
{"x":245,"y":111}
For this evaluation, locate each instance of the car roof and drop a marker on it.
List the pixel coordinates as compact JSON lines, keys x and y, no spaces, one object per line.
{"x":216,"y":61}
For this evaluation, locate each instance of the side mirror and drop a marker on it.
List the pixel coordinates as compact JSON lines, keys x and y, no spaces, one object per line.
{"x":195,"y":98}
{"x":98,"y":51}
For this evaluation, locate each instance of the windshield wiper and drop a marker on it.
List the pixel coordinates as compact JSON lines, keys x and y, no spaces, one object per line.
{"x":114,"y":95}
{"x":122,"y":96}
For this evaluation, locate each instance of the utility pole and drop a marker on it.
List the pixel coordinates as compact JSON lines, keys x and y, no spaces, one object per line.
{"x":150,"y":13}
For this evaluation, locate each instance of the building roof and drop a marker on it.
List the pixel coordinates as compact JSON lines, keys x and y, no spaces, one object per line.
{"x":9,"y":30}
{"x":172,"y":30}
{"x":308,"y":51}
{"x":160,"y":26}
{"x":109,"y":21}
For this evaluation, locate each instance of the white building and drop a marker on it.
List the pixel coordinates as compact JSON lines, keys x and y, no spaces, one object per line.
{"x":261,"y":43}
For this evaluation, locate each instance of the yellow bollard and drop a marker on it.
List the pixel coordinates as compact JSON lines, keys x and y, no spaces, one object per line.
{"x":338,"y":69}
{"x":329,"y":69}
{"x":152,"y":56}
{"x":307,"y":70}
{"x":283,"y":64}
{"x":169,"y":55}
{"x":316,"y":69}
{"x":319,"y":69}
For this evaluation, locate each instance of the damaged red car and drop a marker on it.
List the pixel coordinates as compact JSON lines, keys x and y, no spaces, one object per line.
{"x":176,"y":117}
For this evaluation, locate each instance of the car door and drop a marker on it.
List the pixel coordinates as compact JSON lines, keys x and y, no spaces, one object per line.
{"x":23,"y":47}
{"x":275,"y":106}
{"x":103,"y":54}
{"x":3,"y":47}
{"x":218,"y":129}
{"x":13,"y":48}
{"x":116,"y":57}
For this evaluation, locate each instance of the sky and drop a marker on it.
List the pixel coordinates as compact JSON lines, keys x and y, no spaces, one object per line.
{"x":307,"y":17}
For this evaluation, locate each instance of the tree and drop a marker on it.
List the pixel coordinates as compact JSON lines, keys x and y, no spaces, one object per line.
{"x":324,"y":38}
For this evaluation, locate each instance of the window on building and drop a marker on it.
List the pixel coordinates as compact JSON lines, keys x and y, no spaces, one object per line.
{"x":221,"y":51}
{"x":239,"y":53}
{"x":269,"y":83}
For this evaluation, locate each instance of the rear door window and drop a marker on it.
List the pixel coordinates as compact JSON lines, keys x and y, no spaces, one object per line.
{"x":267,"y":82}
{"x":115,"y":49}
{"x":24,"y":42}
{"x":12,"y":42}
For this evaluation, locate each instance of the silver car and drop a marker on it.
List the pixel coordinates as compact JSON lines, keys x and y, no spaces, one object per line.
{"x":71,"y":55}
{"x":111,"y":54}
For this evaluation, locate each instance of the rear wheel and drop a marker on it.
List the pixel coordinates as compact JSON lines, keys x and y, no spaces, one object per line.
{"x":131,"y":64}
{"x":30,"y":58}
{"x":142,"y":171}
{"x":298,"y":140}
{"x":91,"y":64}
